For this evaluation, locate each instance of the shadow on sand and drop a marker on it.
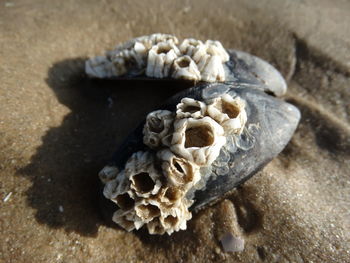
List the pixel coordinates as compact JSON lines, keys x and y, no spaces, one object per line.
{"x":64,"y":170}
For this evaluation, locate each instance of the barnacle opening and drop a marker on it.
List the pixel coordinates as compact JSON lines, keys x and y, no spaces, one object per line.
{"x":191,"y":109}
{"x":183,"y":62}
{"x":143,"y":182}
{"x":230,"y":109}
{"x":148,"y":211}
{"x":163,"y":49}
{"x":178,"y":166}
{"x":155,"y":227}
{"x":199,"y":136}
{"x":125,"y":202}
{"x":123,"y":221}
{"x":172,"y":194}
{"x":156,"y":125}
{"x":171,"y":220}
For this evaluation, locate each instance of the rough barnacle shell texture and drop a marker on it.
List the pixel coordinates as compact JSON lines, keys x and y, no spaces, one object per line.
{"x":170,"y":220}
{"x":118,"y":191}
{"x":215,"y":47}
{"x":157,"y":128}
{"x":144,"y":177}
{"x":108,"y":173}
{"x":116,"y":186}
{"x":131,"y":55}
{"x":160,"y":59}
{"x":229,"y":112}
{"x":127,"y":220}
{"x":198,"y":140}
{"x":148,"y":209}
{"x":179,"y":172}
{"x":160,"y":56}
{"x":189,"y":46}
{"x":177,"y":219}
{"x":189,"y":107}
{"x":101,"y":67}
{"x":185,"y":68}
{"x":209,"y":58}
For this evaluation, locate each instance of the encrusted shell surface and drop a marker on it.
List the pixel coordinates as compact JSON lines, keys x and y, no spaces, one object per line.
{"x":229,"y":112}
{"x":189,"y":46}
{"x":160,"y":59}
{"x":198,"y":140}
{"x":179,"y":172}
{"x":158,"y":126}
{"x":144,"y":177}
{"x":189,"y":107}
{"x":185,"y":68}
{"x":108,"y":173}
{"x":217,"y":137}
{"x":160,"y":56}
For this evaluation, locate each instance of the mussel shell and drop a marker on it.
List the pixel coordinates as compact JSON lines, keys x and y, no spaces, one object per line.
{"x":242,"y":69}
{"x":271,"y":124}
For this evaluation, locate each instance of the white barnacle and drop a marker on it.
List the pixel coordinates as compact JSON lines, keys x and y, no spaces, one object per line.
{"x":190,"y":46}
{"x":116,"y":186}
{"x":176,"y":218}
{"x":215,"y":47}
{"x":229,"y":112}
{"x":189,"y":107}
{"x":185,"y":68}
{"x":210,"y":58}
{"x":158,"y":37}
{"x":160,"y":59}
{"x":170,"y":196}
{"x":155,"y":227}
{"x":108,"y":173}
{"x":157,"y":127}
{"x":100,"y":67}
{"x":118,"y":191}
{"x":127,"y":220}
{"x":212,"y":69}
{"x":179,"y":172}
{"x":198,"y":140}
{"x":144,"y":177}
{"x":147,"y":210}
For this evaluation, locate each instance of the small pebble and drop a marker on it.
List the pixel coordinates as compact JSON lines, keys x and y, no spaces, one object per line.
{"x":231,"y":243}
{"x":7,"y":197}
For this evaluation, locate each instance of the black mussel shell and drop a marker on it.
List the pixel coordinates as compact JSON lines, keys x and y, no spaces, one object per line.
{"x":270,"y":125}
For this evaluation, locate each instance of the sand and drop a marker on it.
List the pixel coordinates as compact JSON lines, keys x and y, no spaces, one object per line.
{"x":58,"y":129}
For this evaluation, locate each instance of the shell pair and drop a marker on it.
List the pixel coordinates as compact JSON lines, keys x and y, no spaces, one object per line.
{"x":204,"y":141}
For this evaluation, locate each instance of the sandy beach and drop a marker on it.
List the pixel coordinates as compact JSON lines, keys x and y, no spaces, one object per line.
{"x":58,"y":129}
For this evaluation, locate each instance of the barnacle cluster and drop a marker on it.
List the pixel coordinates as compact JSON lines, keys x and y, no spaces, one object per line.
{"x":162,"y":56}
{"x":152,"y":189}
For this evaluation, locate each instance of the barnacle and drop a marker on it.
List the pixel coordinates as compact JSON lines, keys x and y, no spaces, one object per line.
{"x":156,"y":189}
{"x":198,"y":140}
{"x":201,"y":146}
{"x":179,"y":172}
{"x":214,"y":47}
{"x":160,"y":59}
{"x":160,"y":56}
{"x":144,"y":177}
{"x":108,"y":173}
{"x":127,"y":220}
{"x":190,"y":46}
{"x":190,"y":108}
{"x":177,"y":218}
{"x":147,"y":210}
{"x":229,"y":112}
{"x":185,"y":68}
{"x":157,"y":128}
